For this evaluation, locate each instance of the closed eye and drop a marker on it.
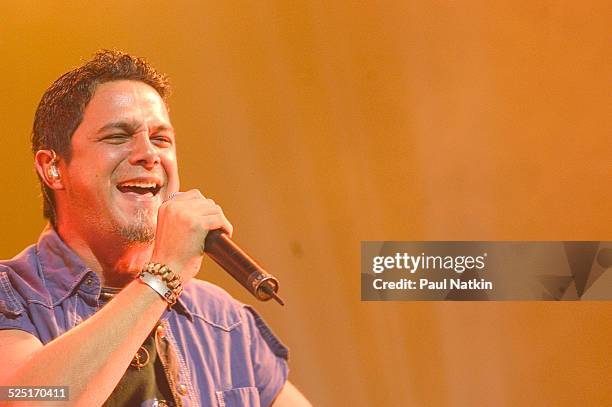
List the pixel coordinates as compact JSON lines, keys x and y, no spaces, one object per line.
{"x":162,"y":141}
{"x":116,"y":138}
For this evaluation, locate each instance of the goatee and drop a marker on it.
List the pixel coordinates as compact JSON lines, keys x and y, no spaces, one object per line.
{"x":140,"y":230}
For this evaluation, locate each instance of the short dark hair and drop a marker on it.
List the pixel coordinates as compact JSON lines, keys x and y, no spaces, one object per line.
{"x":61,"y":107}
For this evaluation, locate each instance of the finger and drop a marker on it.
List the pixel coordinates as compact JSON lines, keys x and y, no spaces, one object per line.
{"x":217,"y":221}
{"x":227,"y":226}
{"x":171,"y":196}
{"x":184,"y":196}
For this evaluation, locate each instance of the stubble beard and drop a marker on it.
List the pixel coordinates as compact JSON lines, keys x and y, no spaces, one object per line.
{"x":140,"y":230}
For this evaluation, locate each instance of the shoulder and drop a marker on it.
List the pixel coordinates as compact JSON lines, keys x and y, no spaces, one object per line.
{"x":20,"y":284}
{"x":21,"y":275}
{"x":24,"y":263}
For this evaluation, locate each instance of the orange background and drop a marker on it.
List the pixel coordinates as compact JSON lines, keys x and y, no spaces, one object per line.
{"x":318,"y":124}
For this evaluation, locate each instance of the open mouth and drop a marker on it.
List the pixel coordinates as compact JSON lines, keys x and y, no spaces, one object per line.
{"x":141,"y":188}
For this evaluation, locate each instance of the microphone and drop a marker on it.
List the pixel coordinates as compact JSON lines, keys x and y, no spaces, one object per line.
{"x":239,"y":265}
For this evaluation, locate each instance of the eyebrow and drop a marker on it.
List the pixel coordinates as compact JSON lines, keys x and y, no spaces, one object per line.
{"x":131,"y":126}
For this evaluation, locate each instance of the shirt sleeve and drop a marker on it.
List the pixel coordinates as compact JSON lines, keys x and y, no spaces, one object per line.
{"x":269,"y":357}
{"x":13,"y":314}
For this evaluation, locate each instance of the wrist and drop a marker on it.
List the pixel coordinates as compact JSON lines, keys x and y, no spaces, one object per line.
{"x":163,"y":281}
{"x":187,"y":268}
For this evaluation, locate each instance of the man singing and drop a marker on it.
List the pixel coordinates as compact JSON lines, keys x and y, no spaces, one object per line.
{"x":106,"y":302}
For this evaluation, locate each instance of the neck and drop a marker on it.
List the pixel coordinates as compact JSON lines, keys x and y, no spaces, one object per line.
{"x":116,"y":261}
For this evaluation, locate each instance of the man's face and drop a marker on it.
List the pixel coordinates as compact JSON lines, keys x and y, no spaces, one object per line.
{"x":123,"y":163}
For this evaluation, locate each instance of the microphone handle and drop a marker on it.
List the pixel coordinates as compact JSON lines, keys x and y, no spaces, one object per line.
{"x":239,"y":265}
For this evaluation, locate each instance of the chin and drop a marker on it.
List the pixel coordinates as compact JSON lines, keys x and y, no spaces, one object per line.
{"x":140,"y":228}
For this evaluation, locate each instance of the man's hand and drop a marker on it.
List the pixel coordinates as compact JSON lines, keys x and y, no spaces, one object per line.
{"x":182,"y":224}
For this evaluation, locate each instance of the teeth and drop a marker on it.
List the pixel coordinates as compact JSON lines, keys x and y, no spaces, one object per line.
{"x":139,"y":184}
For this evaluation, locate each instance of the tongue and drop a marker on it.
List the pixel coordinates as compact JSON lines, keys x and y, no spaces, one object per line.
{"x":136,"y":190}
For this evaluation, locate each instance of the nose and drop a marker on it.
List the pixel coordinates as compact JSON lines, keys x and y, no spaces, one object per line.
{"x":144,"y":152}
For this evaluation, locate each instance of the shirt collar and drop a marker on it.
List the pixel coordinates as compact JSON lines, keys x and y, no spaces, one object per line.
{"x":63,"y":270}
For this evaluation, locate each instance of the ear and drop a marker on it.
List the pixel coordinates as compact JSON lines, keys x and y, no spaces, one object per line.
{"x":47,"y":167}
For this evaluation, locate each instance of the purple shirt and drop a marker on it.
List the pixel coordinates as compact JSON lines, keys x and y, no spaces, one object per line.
{"x":220,"y":351}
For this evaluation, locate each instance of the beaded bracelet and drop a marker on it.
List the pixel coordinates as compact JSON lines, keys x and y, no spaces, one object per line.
{"x":162,"y":280}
